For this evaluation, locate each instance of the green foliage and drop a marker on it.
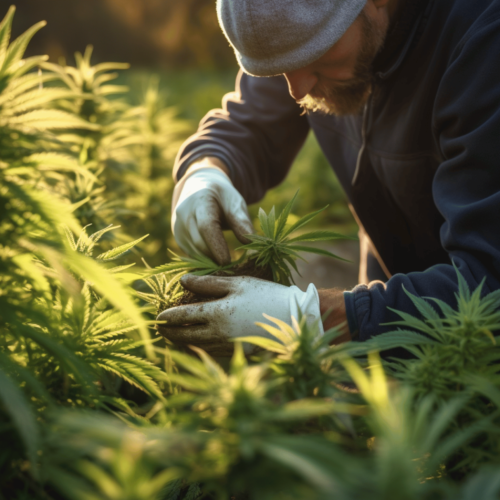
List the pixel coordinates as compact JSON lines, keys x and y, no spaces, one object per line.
{"x":72,"y":334}
{"x":278,"y":248}
{"x":91,"y":407}
{"x":306,"y":362}
{"x":200,"y":265}
{"x":457,"y":344}
{"x":454,"y":351}
{"x":163,"y":281}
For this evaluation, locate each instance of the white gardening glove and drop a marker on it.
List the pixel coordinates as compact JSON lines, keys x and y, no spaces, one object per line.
{"x":203,"y":202}
{"x":242,"y":303}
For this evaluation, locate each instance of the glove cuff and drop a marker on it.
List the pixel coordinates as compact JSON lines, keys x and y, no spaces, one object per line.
{"x":307,"y":303}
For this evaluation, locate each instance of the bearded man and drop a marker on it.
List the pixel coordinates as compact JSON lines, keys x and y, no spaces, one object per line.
{"x":404,"y":99}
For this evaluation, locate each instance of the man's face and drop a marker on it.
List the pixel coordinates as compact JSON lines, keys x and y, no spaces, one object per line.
{"x":340,"y":82}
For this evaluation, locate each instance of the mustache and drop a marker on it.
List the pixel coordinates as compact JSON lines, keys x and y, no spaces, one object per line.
{"x":339,"y":98}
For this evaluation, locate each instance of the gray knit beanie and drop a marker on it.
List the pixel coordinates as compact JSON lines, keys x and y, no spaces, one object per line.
{"x":271,"y":37}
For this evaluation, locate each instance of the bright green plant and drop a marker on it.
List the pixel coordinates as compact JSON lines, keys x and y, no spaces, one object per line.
{"x":455,"y":343}
{"x":85,"y":245}
{"x":199,"y":265}
{"x":231,"y":437}
{"x":109,"y":143}
{"x":303,"y":358}
{"x":453,"y":352}
{"x":147,"y":188}
{"x":92,"y":408}
{"x":279,"y":248}
{"x":24,"y":101}
{"x":163,"y":281}
{"x":60,"y":344}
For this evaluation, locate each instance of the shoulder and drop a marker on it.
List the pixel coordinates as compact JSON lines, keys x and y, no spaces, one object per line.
{"x":466,"y":19}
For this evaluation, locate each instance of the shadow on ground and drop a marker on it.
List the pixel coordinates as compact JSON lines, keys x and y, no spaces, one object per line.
{"x":326,"y":272}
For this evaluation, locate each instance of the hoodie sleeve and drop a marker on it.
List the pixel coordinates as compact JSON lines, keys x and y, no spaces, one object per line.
{"x":257,"y":134}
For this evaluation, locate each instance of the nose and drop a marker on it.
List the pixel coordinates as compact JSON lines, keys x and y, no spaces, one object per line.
{"x":300,"y":82}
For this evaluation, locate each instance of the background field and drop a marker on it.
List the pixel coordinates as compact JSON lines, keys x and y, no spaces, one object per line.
{"x":94,"y":404}
{"x":179,"y":44}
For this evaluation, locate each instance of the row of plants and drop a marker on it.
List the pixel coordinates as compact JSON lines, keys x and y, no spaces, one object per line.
{"x":95,"y":405}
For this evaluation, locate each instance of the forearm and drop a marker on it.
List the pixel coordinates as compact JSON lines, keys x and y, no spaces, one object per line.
{"x":331,"y":304}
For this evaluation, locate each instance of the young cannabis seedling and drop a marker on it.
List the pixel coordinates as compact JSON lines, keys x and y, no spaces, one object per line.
{"x":279,"y":248}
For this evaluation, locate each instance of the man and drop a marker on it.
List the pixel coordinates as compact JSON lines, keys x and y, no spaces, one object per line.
{"x":404,"y":99}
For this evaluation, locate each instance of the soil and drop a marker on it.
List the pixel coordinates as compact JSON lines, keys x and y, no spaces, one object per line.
{"x":247,"y":268}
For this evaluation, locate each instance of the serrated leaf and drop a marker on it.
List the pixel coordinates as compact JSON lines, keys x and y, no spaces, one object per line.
{"x":119,"y":269}
{"x":283,"y":335}
{"x":264,"y":223}
{"x":25,"y":66}
{"x":37,"y":98}
{"x":71,"y":238}
{"x":111,"y":66}
{"x":283,"y":217}
{"x":410,"y":321}
{"x":391,"y":340}
{"x":268,"y":344}
{"x":303,"y":221}
{"x":15,"y":51}
{"x":118,"y":251}
{"x":271,"y":220}
{"x":47,"y":119}
{"x":423,"y":307}
{"x":58,"y":162}
{"x":95,"y":237}
{"x":5,"y":29}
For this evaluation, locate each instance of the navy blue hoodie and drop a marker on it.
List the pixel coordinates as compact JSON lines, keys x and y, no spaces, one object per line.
{"x":421,"y":166}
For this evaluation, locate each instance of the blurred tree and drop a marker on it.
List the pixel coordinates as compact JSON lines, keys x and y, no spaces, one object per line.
{"x":167,"y":33}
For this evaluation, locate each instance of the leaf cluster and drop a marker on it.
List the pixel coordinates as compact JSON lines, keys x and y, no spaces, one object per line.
{"x":279,"y":247}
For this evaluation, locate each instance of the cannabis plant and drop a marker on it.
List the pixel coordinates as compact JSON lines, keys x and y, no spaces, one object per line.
{"x":163,"y":282}
{"x":98,"y":150}
{"x":271,"y":256}
{"x":230,"y":436}
{"x":147,"y":188}
{"x":25,"y":112}
{"x":454,"y":343}
{"x":303,"y":358}
{"x":71,"y":334}
{"x":92,"y":408}
{"x":280,"y":246}
{"x":454,"y":351}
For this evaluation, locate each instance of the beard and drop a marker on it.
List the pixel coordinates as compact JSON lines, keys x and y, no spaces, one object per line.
{"x":349,"y":97}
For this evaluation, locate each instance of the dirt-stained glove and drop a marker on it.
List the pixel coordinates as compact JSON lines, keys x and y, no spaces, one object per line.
{"x":203,"y":203}
{"x":241,"y":303}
